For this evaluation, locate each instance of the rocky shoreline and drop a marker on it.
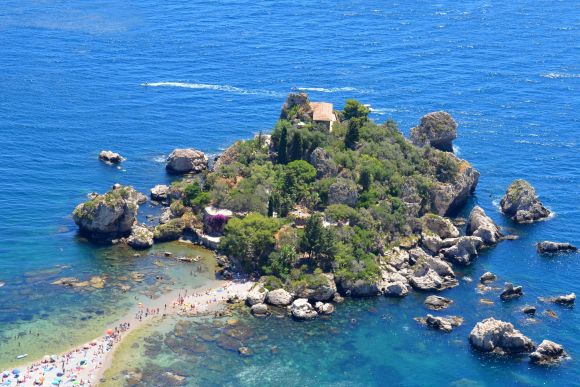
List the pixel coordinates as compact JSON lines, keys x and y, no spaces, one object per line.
{"x":419,"y":256}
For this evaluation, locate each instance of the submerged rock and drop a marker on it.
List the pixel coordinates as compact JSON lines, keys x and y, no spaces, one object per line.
{"x":481,"y":225}
{"x":437,"y":129}
{"x":548,"y":352}
{"x":109,"y":216}
{"x":444,"y":324}
{"x":548,"y":247}
{"x":303,"y":310}
{"x":510,"y":292}
{"x":564,"y":299}
{"x":437,"y":302}
{"x":521,"y":203}
{"x":186,"y":160}
{"x":491,"y":335}
{"x":141,"y":238}
{"x":110,"y":157}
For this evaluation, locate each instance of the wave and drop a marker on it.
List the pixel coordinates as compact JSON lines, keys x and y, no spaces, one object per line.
{"x":331,"y":89}
{"x":160,"y":159}
{"x":206,"y":86}
{"x":560,"y":75}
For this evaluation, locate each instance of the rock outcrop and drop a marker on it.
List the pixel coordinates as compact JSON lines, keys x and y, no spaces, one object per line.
{"x":141,"y":238}
{"x":297,"y":108}
{"x":159,"y":193}
{"x":343,"y":191}
{"x":437,"y":129}
{"x":170,"y":230}
{"x":481,"y":225}
{"x":487,"y":277}
{"x":324,"y":307}
{"x":323,"y":290}
{"x":259,"y":310}
{"x":301,"y":309}
{"x":359,"y":288}
{"x":437,"y":302}
{"x":521,"y":203}
{"x":449,"y":197}
{"x":186,"y":160}
{"x":510,"y":292}
{"x":324,"y":164}
{"x":491,"y":335}
{"x":548,"y":247}
{"x":109,"y":216}
{"x":256,"y":295}
{"x":110,"y":157}
{"x":440,"y":226}
{"x":433,"y":274}
{"x":279,"y":297}
{"x":564,"y":299}
{"x":548,"y":352}
{"x":464,"y":250}
{"x":444,"y":324}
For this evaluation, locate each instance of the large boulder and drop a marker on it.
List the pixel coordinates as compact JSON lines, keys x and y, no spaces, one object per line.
{"x":186,"y":160}
{"x":110,"y":157}
{"x":521,"y":203}
{"x":464,"y":250}
{"x":324,"y":307}
{"x":487,"y":277}
{"x":359,"y":287}
{"x":395,"y":288}
{"x":279,"y":297}
{"x":141,"y":237}
{"x":548,"y":352}
{"x":160,"y":193}
{"x":440,"y":226}
{"x":323,"y":162}
{"x":481,"y":225}
{"x":259,"y":310}
{"x":343,"y":191}
{"x":301,"y":309}
{"x":256,"y":295}
{"x":444,"y":324}
{"x":109,"y":216}
{"x":449,"y":197}
{"x":491,"y":335}
{"x":437,"y":129}
{"x":564,"y":299}
{"x":510,"y":292}
{"x":297,"y":108}
{"x":426,"y":278}
{"x":323,"y":289}
{"x":548,"y":247}
{"x":437,"y":302}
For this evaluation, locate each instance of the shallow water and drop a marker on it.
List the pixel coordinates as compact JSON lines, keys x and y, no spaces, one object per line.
{"x":145,"y":77}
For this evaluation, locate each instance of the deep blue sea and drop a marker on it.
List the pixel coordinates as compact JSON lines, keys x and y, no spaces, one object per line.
{"x":144,"y":77}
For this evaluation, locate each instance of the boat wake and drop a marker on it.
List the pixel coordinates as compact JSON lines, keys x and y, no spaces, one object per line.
{"x":205,"y":86}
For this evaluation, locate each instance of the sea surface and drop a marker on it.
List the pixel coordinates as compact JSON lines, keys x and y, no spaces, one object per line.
{"x":144,"y":77}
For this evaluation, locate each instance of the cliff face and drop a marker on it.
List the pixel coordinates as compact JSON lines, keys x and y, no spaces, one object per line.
{"x":449,"y":197}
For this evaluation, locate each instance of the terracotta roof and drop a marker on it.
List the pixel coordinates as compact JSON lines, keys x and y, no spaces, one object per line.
{"x":322,"y":111}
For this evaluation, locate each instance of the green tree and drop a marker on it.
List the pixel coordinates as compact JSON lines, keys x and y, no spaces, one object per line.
{"x":317,"y":241}
{"x":296,"y":178}
{"x":296,"y":146}
{"x":281,"y":261}
{"x":352,"y":134}
{"x":355,"y":109}
{"x":365,"y":179}
{"x":283,"y":146}
{"x":271,"y":206}
{"x":250,"y":239}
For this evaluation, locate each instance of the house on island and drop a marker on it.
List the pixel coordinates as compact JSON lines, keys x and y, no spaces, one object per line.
{"x":323,"y":114}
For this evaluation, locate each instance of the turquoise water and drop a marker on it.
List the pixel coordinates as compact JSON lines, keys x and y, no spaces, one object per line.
{"x":145,"y":77}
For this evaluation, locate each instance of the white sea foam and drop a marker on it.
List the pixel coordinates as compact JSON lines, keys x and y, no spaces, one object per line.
{"x":206,"y":86}
{"x":159,"y":159}
{"x":560,"y":75}
{"x":331,"y":89}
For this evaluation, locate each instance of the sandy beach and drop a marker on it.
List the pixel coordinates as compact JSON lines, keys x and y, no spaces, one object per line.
{"x":85,"y":364}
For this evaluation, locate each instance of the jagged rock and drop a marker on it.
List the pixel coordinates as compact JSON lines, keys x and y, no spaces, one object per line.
{"x":548,"y":247}
{"x":110,"y":157}
{"x":257,"y":295}
{"x":279,"y":297}
{"x":324,"y":308}
{"x":441,"y":226}
{"x":343,"y":191}
{"x":529,"y":309}
{"x":397,"y":258}
{"x":169,"y":231}
{"x":437,"y":302}
{"x":481,"y":225}
{"x":510,"y":292}
{"x":301,"y":309}
{"x":159,"y":193}
{"x":487,"y":277}
{"x":259,"y":310}
{"x":491,"y":335}
{"x":521,"y":203}
{"x":565,"y":299}
{"x":464,"y":250}
{"x":395,"y":289}
{"x":186,"y":160}
{"x":359,"y":288}
{"x":141,"y":238}
{"x":548,"y":352}
{"x":322,"y":291}
{"x":323,"y":162}
{"x":449,"y":197}
{"x":444,"y":324}
{"x":297,"y":107}
{"x":109,"y":216}
{"x":433,"y":275}
{"x":437,"y":129}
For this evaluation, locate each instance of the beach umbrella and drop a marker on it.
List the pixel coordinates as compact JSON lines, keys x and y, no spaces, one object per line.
{"x":109,"y":331}
{"x":6,"y":374}
{"x":15,"y":371}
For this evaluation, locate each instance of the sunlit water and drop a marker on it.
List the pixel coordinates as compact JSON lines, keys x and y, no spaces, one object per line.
{"x":145,"y":77}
